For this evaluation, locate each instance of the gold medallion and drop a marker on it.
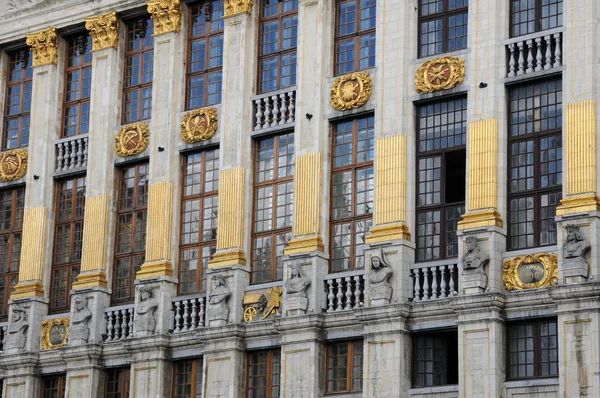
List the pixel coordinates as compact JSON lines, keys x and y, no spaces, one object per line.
{"x":55,"y":333}
{"x":440,"y":74}
{"x":199,"y":125}
{"x":13,"y":165}
{"x":351,"y":91}
{"x":531,"y":271}
{"x":132,"y":139}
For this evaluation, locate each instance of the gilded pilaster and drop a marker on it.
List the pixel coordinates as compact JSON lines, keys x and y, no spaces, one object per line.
{"x":44,"y":46}
{"x":235,"y":7}
{"x":166,"y":15}
{"x":104,"y":30}
{"x":308,"y":182}
{"x":482,"y":179}
{"x":230,"y":239}
{"x":390,"y":190}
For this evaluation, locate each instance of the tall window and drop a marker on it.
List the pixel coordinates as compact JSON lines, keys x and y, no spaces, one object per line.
{"x":139,"y":70}
{"x":529,"y":16}
{"x":264,"y":370}
{"x":199,"y":210}
{"x":277,"y":44}
{"x":117,"y":383}
{"x":532,"y":349}
{"x":354,"y":35}
{"x":187,"y":379}
{"x":442,"y":26}
{"x":18,"y":100}
{"x":12,"y":202}
{"x":54,"y":386}
{"x":205,"y":54}
{"x":441,"y":173}
{"x":344,"y":367}
{"x":435,"y":359}
{"x":273,"y":205}
{"x":351,"y":192}
{"x":535,"y":163}
{"x":68,"y":238}
{"x":78,"y":79}
{"x":132,"y":207}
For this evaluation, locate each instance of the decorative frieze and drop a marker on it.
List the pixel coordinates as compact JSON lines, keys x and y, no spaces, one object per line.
{"x":13,"y":165}
{"x":166,"y":15}
{"x":351,"y":91}
{"x":104,"y":30}
{"x":44,"y":46}
{"x":55,"y":333}
{"x":235,"y":7}
{"x":132,"y":139}
{"x":440,"y":74}
{"x":531,"y":271}
{"x":199,"y":125}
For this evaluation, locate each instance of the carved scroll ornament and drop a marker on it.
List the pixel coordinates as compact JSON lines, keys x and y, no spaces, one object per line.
{"x":104,"y":30}
{"x":166,"y":15}
{"x":44,"y":46}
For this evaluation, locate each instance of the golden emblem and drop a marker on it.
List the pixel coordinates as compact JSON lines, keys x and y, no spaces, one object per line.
{"x":531,"y":271}
{"x":132,"y":139}
{"x":44,"y":47}
{"x":351,"y":91}
{"x":249,"y":314}
{"x":440,"y":74}
{"x":261,"y":305}
{"x":55,"y":333}
{"x":199,"y":125}
{"x":13,"y":165}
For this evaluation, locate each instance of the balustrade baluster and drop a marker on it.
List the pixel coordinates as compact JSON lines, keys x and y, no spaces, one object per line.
{"x":259,"y":114}
{"x":452,"y":291}
{"x":60,"y":158}
{"x":292,"y":107}
{"x":118,"y":320}
{"x":201,"y":318}
{"x":340,"y":294}
{"x":557,"y":52}
{"x":425,"y":284}
{"x":348,"y":305}
{"x":85,"y":152}
{"x":434,"y":283}
{"x":275,"y":99}
{"x":194,"y":313}
{"x":548,"y":55}
{"x":521,"y":62}
{"x":177,"y":316}
{"x":417,"y":278}
{"x":131,"y":314}
{"x":330,"y":296}
{"x":72,"y":154}
{"x":538,"y":54}
{"x":529,"y":56}
{"x":443,"y":286}
{"x":358,"y":291}
{"x":267,"y":119}
{"x":186,"y":315}
{"x":110,"y":327}
{"x":283,"y":118}
{"x":511,"y":60}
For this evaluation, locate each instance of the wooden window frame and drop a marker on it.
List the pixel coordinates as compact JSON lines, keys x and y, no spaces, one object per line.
{"x":81,"y":69}
{"x":135,"y":209}
{"x":26,"y":79}
{"x":537,"y":21}
{"x":207,"y":37}
{"x":124,"y":382}
{"x":62,"y":381}
{"x":354,"y":168}
{"x":444,"y":15}
{"x":72,"y":265}
{"x":357,"y":35}
{"x":350,"y":367}
{"x":537,"y":362}
{"x":276,"y":181}
{"x":139,"y":88}
{"x":271,"y":355}
{"x":201,"y":197}
{"x":280,"y":16}
{"x":197,"y":372}
{"x":16,"y":228}
{"x":444,"y":336}
{"x":537,"y":192}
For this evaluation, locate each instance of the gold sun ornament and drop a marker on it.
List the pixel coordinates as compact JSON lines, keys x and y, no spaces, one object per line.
{"x":199,"y":125}
{"x":351,"y":91}
{"x":440,"y":74}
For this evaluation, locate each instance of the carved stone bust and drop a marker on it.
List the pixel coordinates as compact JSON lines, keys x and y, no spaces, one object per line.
{"x":145,"y":322}
{"x":79,"y":332}
{"x":575,"y":266}
{"x":297,"y":284}
{"x":380,"y":291}
{"x":218,"y":309}
{"x":17,"y":330}
{"x":474,"y":259}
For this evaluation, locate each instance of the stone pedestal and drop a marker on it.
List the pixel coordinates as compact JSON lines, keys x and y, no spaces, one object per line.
{"x":96,"y":300}
{"x":314,"y":267}
{"x":491,"y":243}
{"x":473,"y":282}
{"x":578,"y":270}
{"x":398,"y":254}
{"x":296,"y":305}
{"x":85,"y":377}
{"x":153,"y":310}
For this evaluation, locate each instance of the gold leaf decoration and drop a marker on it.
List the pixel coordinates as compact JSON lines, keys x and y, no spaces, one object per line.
{"x":166,"y":15}
{"x":531,"y":271}
{"x":132,"y":139}
{"x":55,"y":333}
{"x":44,"y":46}
{"x":13,"y":165}
{"x":199,"y":125}
{"x":235,"y":7}
{"x":351,"y":91}
{"x":104,"y":30}
{"x":440,"y":74}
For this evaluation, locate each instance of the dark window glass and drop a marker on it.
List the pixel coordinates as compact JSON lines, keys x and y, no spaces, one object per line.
{"x":263,"y":374}
{"x":273,"y":205}
{"x":78,"y":83}
{"x":199,"y":213}
{"x":354,"y":35}
{"x":532,"y":349}
{"x":187,"y":379}
{"x":12,"y":202}
{"x":17,"y":103}
{"x":442,"y":26}
{"x":117,"y":383}
{"x":53,"y":386}
{"x":344,"y":367}
{"x":441,"y":174}
{"x":529,"y":16}
{"x":534,"y":163}
{"x":139,"y":70}
{"x":435,"y":359}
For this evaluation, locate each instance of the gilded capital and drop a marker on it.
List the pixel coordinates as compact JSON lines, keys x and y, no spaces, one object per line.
{"x":104,"y":30}
{"x":166,"y":15}
{"x":44,"y":46}
{"x":235,"y":7}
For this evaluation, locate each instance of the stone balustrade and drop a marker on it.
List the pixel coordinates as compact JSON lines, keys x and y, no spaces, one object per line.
{"x":535,"y":52}
{"x":187,"y":313}
{"x":71,"y":154}
{"x":345,"y":291}
{"x":119,"y":323}
{"x":434,"y":282}
{"x":274,"y":109}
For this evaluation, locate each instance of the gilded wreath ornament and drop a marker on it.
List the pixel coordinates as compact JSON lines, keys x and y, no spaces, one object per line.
{"x":132,"y":139}
{"x":44,"y":46}
{"x":13,"y":165}
{"x":166,"y":15}
{"x":55,"y":333}
{"x":351,"y":91}
{"x":544,"y":263}
{"x":199,"y":125}
{"x":440,"y":74}
{"x":104,"y":30}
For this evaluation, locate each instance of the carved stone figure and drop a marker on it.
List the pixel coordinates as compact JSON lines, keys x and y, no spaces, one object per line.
{"x":575,"y":247}
{"x":17,"y":330}
{"x":473,"y":262}
{"x":145,"y":323}
{"x":380,"y":291}
{"x":218,"y":309}
{"x":79,"y":332}
{"x":296,"y":301}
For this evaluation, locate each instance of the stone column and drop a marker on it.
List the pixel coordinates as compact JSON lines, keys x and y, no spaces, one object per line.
{"x":91,"y":287}
{"x":486,"y":146}
{"x":236,"y":157}
{"x":85,"y":376}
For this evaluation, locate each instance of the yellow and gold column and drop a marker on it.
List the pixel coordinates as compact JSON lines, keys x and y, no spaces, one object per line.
{"x":482,"y":179}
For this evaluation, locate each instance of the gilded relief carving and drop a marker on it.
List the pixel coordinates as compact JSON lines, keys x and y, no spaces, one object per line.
{"x":104,"y":30}
{"x":166,"y":15}
{"x":351,"y":91}
{"x":13,"y":165}
{"x":132,"y":139}
{"x":235,"y":7}
{"x":199,"y":125}
{"x":55,"y":333}
{"x":531,"y":271}
{"x":440,"y":74}
{"x":44,"y":47}
{"x":260,"y":306}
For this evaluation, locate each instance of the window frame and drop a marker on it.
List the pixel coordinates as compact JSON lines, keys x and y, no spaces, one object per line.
{"x":444,"y":15}
{"x":26,"y":78}
{"x":124,"y":382}
{"x":16,"y":227}
{"x":271,"y":355}
{"x":62,"y":381}
{"x":349,"y":366}
{"x":537,"y":21}
{"x":81,"y":101}
{"x":444,"y":335}
{"x":197,"y":372}
{"x":537,"y":363}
